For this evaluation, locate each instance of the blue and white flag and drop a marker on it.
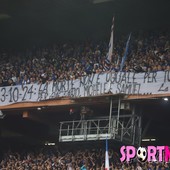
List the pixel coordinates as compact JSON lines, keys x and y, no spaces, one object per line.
{"x":126,"y":52}
{"x":83,"y":167}
{"x":107,"y":156}
{"x":110,"y":52}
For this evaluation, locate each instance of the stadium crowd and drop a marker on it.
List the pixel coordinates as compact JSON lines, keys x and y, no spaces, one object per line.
{"x":52,"y":159}
{"x":147,"y":52}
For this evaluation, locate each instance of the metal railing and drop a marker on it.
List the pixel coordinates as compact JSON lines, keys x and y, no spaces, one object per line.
{"x":98,"y":129}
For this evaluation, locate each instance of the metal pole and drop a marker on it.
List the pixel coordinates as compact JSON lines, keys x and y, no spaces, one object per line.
{"x":68,"y":129}
{"x":98,"y":126}
{"x":89,"y":127}
{"x":140,"y":130}
{"x":133,"y":125}
{"x":60,"y":131}
{"x":122,"y":131}
{"x":72,"y":134}
{"x":134,"y":135}
{"x":110,"y":116}
{"x":118,"y":114}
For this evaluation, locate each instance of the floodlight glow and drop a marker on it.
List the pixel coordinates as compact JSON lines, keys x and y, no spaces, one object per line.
{"x":148,"y":140}
{"x":2,"y":115}
{"x":145,"y":140}
{"x":165,"y":99}
{"x":50,"y":144}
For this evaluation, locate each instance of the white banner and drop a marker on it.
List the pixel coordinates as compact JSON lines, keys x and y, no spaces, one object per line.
{"x":93,"y":85}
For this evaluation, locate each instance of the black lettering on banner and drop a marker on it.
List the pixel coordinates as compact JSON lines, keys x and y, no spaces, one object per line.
{"x":110,"y":87}
{"x":40,"y":93}
{"x":123,"y":78}
{"x":72,"y":84}
{"x":127,"y":88}
{"x":95,"y":89}
{"x":25,"y":89}
{"x":92,"y":89}
{"x":91,"y":78}
{"x":82,"y":81}
{"x":108,"y":76}
{"x":119,"y":80}
{"x":53,"y":94}
{"x":167,"y":76}
{"x":63,"y":85}
{"x":154,"y":77}
{"x":128,"y":77}
{"x":162,"y":88}
{"x":114,"y":78}
{"x":132,"y":88}
{"x":101,"y":86}
{"x":66,"y":85}
{"x":134,"y":74}
{"x":3,"y":98}
{"x":136,"y":89}
{"x":98,"y":78}
{"x":66,"y":88}
{"x":60,"y":86}
{"x":98,"y":85}
{"x":125,"y":82}
{"x":78,"y":92}
{"x":43,"y":92}
{"x":85,"y":80}
{"x":30,"y":91}
{"x":145,"y":76}
{"x":55,"y":89}
{"x":74,"y":92}
{"x":105,"y":87}
{"x":10,"y":95}
{"x":118,"y":88}
{"x":15,"y":94}
{"x":56,"y":86}
{"x":87,"y":90}
{"x":150,"y":77}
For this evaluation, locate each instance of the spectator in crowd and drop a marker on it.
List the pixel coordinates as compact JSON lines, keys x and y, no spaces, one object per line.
{"x":52,"y":159}
{"x":147,"y":53}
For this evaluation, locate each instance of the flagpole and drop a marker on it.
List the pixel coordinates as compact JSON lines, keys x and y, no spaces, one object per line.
{"x":113,"y":21}
{"x":125,"y":54}
{"x":107,"y":156}
{"x":110,"y":51}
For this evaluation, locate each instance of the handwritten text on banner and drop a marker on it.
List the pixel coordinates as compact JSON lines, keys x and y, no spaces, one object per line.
{"x":93,"y":85}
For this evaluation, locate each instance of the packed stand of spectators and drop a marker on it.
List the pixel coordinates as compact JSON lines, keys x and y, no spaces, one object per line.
{"x":52,"y":159}
{"x":147,"y":52}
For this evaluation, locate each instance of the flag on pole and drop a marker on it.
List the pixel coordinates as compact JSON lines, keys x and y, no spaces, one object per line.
{"x":107,"y":157}
{"x":110,"y":52}
{"x":125,"y":54}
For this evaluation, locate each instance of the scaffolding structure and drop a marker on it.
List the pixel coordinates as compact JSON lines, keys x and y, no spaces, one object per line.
{"x":124,"y":128}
